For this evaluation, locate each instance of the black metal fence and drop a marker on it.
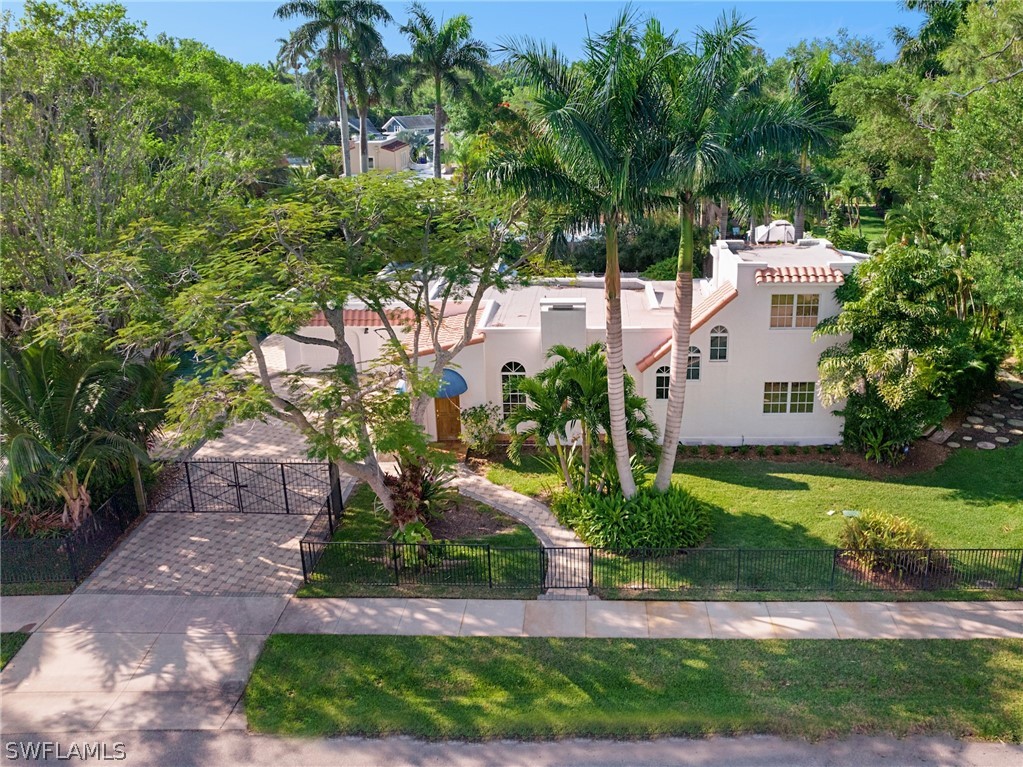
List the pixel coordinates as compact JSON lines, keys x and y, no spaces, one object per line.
{"x":72,"y":556}
{"x":816,"y":570}
{"x":253,"y":487}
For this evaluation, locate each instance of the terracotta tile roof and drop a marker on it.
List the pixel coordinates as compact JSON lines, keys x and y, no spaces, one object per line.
{"x":393,"y":145}
{"x":799,"y":274}
{"x":702,"y":312}
{"x":451,"y":329}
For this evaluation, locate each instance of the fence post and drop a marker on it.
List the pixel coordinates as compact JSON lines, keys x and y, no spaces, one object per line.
{"x":642,"y":578}
{"x":834,"y":566}
{"x":543,"y":568}
{"x":336,"y":498}
{"x":237,"y":487}
{"x":490,"y":569}
{"x":1019,"y":574}
{"x":927,"y":570}
{"x":305,"y":573}
{"x":69,"y":547}
{"x":284,"y":487}
{"x":188,"y":479}
{"x":590,"y":550}
{"x":738,"y":569}
{"x":394,"y":552}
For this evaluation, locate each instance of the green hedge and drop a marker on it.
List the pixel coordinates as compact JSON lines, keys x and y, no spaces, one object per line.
{"x":650,"y":520}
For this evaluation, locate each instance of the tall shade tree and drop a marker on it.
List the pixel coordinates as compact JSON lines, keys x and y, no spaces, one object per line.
{"x":592,"y":152}
{"x":724,"y":141}
{"x":445,"y":56}
{"x":338,"y":30}
{"x":65,"y":418}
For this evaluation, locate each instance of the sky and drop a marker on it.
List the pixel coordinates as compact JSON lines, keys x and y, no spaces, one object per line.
{"x":247,"y":31}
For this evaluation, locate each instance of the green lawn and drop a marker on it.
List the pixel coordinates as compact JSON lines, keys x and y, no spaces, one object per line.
{"x":871,"y":222}
{"x":484,"y":688}
{"x":973,"y":500}
{"x":372,"y":567}
{"x":10,"y":643}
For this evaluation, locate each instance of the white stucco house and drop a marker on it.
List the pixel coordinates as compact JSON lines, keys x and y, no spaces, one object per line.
{"x":752,"y":372}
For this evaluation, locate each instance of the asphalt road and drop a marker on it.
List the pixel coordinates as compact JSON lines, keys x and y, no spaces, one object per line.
{"x":188,"y":748}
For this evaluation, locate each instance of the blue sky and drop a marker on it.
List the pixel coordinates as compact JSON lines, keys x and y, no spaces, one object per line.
{"x":246,"y":30}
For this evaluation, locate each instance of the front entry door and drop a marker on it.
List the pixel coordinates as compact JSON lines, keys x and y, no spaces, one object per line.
{"x":449,"y":419}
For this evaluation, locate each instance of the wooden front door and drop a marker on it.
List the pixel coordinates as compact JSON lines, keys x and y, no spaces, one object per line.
{"x":449,"y":419}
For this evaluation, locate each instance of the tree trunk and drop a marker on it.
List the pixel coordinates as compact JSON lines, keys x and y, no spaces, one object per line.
{"x":800,"y":221}
{"x":140,"y":490}
{"x":438,"y":114}
{"x":723,"y":220}
{"x":616,"y":362}
{"x":342,"y":110}
{"x":681,"y":329}
{"x":363,"y":140}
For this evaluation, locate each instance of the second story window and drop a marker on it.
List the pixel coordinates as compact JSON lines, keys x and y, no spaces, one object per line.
{"x":662,"y":381}
{"x":693,"y":368}
{"x":718,"y":344}
{"x":795,"y":311}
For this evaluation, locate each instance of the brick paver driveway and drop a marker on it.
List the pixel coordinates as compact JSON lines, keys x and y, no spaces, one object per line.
{"x":206,"y":554}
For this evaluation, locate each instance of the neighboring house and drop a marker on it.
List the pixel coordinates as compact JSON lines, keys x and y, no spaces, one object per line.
{"x":323,"y":123}
{"x":387,"y":154}
{"x":417,"y":123}
{"x":752,"y":371}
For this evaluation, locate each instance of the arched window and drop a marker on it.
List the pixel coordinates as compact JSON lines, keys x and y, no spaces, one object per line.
{"x":662,"y":381}
{"x":511,"y":397}
{"x":718,"y":344}
{"x":693,"y":368}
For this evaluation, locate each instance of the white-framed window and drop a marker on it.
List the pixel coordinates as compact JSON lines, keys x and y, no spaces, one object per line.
{"x":718,"y":343}
{"x":785,"y":397}
{"x":511,"y":397}
{"x":369,"y":163}
{"x":693,"y":365}
{"x":662,"y":382}
{"x":795,"y":310}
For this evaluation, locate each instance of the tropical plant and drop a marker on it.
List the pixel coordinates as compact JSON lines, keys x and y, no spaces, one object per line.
{"x":371,"y":77}
{"x":67,"y":420}
{"x":444,"y":56}
{"x":672,"y":519}
{"x":421,"y":489}
{"x":723,"y":139}
{"x":337,"y":30}
{"x":567,"y":403}
{"x":480,"y":426}
{"x":881,"y":541}
{"x":593,"y":153}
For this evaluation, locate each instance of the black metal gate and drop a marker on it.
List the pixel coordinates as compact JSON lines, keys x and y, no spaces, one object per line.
{"x":249,"y":487}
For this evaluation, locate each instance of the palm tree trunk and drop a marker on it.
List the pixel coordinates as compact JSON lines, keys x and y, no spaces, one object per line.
{"x":723,"y":220}
{"x":681,"y":329}
{"x":800,"y":221}
{"x":438,"y":113}
{"x":140,"y":490}
{"x":363,"y":139}
{"x":616,"y":361}
{"x":342,"y":111}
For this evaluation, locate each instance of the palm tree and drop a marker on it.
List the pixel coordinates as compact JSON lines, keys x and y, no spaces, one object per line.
{"x":373,"y":77}
{"x":64,"y":418}
{"x":339,"y":29}
{"x":592,"y":154}
{"x":442,"y":55}
{"x":725,"y":141}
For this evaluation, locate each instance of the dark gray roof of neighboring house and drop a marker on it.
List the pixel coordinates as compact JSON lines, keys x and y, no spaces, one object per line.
{"x":410,"y":122}
{"x":353,"y":123}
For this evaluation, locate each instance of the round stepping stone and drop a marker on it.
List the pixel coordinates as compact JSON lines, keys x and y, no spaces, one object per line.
{"x":967,"y":438}
{"x":978,"y":426}
{"x":1015,"y":422}
{"x":996,"y":396}
{"x":1016,"y":407}
{"x":953,"y":444}
{"x":990,"y":430}
{"x":974,"y":419}
{"x":1002,"y":440}
{"x":998,"y":416}
{"x":986,"y":446}
{"x":1017,"y":432}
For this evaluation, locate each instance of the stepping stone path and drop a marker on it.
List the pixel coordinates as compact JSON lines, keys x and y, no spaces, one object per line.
{"x":998,"y":422}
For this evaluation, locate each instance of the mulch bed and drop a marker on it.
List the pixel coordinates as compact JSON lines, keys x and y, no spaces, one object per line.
{"x":467,"y":520}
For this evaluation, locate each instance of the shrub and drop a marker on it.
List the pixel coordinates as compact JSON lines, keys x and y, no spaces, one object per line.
{"x":889,"y":543}
{"x":744,"y":449}
{"x":776,"y":449}
{"x":713,"y":450}
{"x":791,"y":450}
{"x":480,"y":427}
{"x":650,"y":520}
{"x":421,"y":490}
{"x":761,"y":450}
